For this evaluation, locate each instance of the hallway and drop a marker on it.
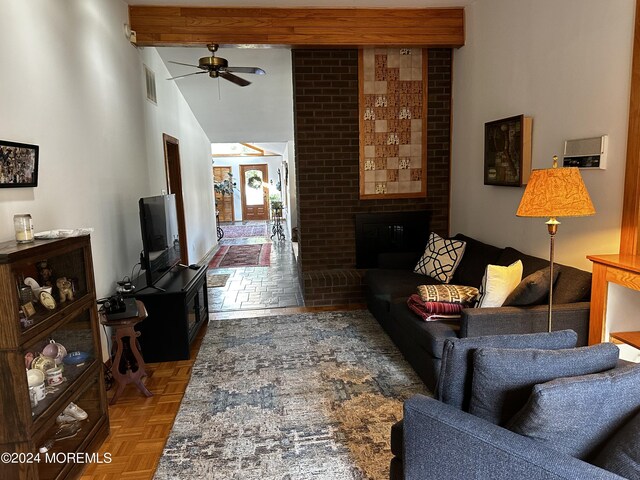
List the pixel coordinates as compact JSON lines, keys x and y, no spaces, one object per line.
{"x":254,"y":288}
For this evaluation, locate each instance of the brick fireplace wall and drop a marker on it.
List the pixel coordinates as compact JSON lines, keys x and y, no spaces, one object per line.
{"x":327,"y":149}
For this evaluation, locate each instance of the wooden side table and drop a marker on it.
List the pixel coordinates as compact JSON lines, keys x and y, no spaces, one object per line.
{"x":128,"y":365}
{"x":619,"y":269}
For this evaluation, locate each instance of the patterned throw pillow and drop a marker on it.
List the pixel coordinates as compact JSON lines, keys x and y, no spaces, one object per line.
{"x":447,"y":293}
{"x":441,"y":258}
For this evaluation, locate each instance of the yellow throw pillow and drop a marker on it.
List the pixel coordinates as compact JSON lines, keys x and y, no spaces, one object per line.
{"x":498,"y":282}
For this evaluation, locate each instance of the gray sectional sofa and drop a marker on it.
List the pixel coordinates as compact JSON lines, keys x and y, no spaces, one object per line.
{"x":422,"y":342}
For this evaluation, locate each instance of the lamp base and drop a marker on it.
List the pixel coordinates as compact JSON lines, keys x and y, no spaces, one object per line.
{"x":552,"y":228}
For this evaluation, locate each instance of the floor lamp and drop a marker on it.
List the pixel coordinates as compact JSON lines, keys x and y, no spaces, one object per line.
{"x":555,"y":192}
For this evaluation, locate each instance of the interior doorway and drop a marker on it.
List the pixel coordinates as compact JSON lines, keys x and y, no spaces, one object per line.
{"x":174,"y":185}
{"x":254,"y":190}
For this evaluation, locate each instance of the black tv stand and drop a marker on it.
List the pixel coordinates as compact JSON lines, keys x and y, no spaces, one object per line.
{"x":152,"y":286}
{"x":177,"y":305}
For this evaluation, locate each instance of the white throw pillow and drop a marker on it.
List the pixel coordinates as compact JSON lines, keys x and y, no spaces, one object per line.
{"x":498,"y":282}
{"x":440,"y":258}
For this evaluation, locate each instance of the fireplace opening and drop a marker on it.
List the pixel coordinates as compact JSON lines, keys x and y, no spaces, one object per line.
{"x":384,"y":238}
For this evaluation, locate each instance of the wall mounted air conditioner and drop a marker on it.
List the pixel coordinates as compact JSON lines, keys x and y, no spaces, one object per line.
{"x":586,"y":153}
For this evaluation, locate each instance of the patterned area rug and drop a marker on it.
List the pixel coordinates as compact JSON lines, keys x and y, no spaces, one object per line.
{"x":242,"y":256}
{"x":241,"y":231}
{"x":309,"y":396}
{"x":217,"y":280}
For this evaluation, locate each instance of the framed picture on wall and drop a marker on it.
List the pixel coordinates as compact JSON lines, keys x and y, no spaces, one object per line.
{"x":18,"y":164}
{"x":507,"y":151}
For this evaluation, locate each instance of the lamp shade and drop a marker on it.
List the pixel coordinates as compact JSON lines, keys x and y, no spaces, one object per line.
{"x":555,"y":192}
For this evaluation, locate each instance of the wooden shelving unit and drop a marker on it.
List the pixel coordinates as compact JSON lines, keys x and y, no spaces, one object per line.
{"x":622,"y":270}
{"x":24,"y":428}
{"x":630,"y":338}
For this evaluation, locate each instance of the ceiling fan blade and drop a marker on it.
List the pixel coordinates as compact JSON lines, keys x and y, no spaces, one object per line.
{"x":185,"y":75}
{"x":256,"y":70}
{"x":234,"y":79}
{"x":185,"y":64}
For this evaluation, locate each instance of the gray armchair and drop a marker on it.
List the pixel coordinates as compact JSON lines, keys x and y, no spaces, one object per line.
{"x":524,"y":406}
{"x":441,"y":442}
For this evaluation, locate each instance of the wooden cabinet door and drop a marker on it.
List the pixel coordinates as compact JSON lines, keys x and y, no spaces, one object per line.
{"x":224,"y":203}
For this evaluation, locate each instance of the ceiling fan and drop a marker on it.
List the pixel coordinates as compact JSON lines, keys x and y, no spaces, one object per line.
{"x":219,"y":67}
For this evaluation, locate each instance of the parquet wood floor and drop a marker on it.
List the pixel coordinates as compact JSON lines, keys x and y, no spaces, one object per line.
{"x":140,"y":426}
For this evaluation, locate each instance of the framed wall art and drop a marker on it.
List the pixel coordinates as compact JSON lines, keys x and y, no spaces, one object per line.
{"x":393,"y":123}
{"x":18,"y":164}
{"x":507,"y":151}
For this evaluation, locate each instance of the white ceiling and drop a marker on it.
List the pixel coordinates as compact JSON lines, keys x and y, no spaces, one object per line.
{"x":307,"y":3}
{"x":260,"y":112}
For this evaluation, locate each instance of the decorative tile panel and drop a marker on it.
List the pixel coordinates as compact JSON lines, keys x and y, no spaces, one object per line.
{"x":393,"y":122}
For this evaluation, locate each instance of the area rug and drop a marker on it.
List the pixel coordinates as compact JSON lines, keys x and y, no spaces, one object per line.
{"x":241,"y":231}
{"x":217,"y":280}
{"x":242,"y":256}
{"x":308,"y":396}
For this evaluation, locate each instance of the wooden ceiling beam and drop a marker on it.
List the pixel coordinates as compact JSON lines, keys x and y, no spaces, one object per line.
{"x":298,"y":27}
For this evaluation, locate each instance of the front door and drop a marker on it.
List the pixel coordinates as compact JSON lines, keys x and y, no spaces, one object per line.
{"x":255,"y":192}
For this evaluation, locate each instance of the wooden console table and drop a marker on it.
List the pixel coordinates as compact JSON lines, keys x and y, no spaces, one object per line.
{"x":619,"y":269}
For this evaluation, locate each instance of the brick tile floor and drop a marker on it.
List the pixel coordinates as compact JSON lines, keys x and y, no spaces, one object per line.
{"x":252,"y":288}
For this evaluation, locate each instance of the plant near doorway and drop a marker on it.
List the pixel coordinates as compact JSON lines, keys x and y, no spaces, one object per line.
{"x":225,"y":187}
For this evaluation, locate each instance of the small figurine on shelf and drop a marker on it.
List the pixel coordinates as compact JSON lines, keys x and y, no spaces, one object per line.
{"x":45,"y":273}
{"x":65,"y":289}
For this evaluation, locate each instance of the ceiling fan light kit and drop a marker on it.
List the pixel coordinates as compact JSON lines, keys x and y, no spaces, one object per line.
{"x":219,"y":67}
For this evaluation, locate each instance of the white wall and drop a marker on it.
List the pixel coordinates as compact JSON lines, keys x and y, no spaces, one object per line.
{"x":72,"y":84}
{"x":567,"y":65}
{"x":292,"y":189}
{"x":173,"y":116}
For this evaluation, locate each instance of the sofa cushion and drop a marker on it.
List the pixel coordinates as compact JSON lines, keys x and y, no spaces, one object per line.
{"x":454,"y":383}
{"x":429,"y":336}
{"x":477,"y":256}
{"x":393,"y":284}
{"x":573,"y":285}
{"x":530,"y":264}
{"x":621,"y":454}
{"x":533,"y":289}
{"x":503,"y":378}
{"x":498,"y":282}
{"x":440,"y":258}
{"x":447,"y":293}
{"x":576,"y":415}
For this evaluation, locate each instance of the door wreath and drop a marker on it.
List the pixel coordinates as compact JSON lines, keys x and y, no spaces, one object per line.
{"x":254,"y":181}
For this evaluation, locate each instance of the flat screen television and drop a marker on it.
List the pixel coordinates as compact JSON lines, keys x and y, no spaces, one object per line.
{"x":160,"y":239}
